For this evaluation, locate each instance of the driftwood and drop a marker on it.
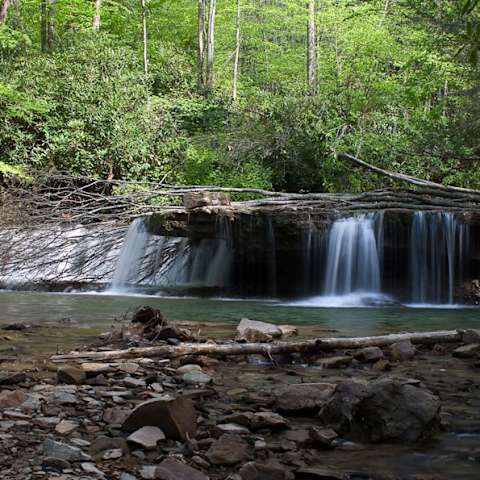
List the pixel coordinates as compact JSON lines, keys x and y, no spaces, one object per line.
{"x":308,"y":346}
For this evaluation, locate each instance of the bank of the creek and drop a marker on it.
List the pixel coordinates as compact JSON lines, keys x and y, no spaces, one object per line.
{"x":254,"y":419}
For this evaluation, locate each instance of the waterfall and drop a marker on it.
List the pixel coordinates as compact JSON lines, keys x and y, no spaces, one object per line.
{"x":352,"y":255}
{"x":438,"y":244}
{"x":131,"y":256}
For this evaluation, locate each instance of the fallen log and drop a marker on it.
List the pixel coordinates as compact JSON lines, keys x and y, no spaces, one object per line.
{"x":307,"y":346}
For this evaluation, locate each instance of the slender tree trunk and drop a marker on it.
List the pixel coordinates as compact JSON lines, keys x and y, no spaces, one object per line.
{"x":201,"y":44}
{"x":50,"y":24}
{"x":97,"y":19}
{"x":311,"y":48}
{"x":210,"y":44}
{"x":145,"y":44}
{"x":43,"y":25}
{"x":237,"y":52}
{"x":4,"y":10}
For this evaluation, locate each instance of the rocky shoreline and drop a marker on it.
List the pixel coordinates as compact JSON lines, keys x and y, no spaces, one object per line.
{"x":366,"y":413}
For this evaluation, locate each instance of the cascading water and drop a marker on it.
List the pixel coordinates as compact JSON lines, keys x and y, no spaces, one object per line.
{"x":353,"y":261}
{"x":131,"y":256}
{"x":438,"y":244}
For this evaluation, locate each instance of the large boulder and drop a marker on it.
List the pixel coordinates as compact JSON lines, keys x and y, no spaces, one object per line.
{"x":385,"y":409}
{"x":175,"y":416}
{"x":302,"y":397}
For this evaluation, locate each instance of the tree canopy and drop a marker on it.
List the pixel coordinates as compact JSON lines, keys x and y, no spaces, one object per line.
{"x":395,"y":82}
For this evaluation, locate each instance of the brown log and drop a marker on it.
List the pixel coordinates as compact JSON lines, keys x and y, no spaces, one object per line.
{"x":306,"y":346}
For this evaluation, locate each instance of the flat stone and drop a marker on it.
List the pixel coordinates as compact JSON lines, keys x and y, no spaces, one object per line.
{"x":47,"y":422}
{"x":147,"y":437}
{"x":320,"y":473}
{"x":52,"y":448}
{"x":254,"y":331}
{"x":467,"y":351}
{"x":127,"y":476}
{"x":323,"y":436}
{"x":63,"y":396}
{"x":92,"y":369}
{"x":175,"y":416}
{"x":131,"y":382}
{"x":71,"y":375}
{"x":302,"y":396}
{"x":12,"y":399}
{"x":265,"y":471}
{"x":90,"y":468}
{"x":115,"y":416}
{"x":270,"y":420}
{"x":128,"y":367}
{"x":65,"y":427}
{"x":231,"y":428}
{"x":188,"y":369}
{"x":172,"y":469}
{"x":55,"y":464}
{"x":228,"y":450}
{"x":103,"y":443}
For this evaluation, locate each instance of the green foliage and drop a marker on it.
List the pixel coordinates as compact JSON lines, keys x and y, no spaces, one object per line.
{"x":397,"y":87}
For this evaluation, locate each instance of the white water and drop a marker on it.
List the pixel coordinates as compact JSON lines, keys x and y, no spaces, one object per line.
{"x":130,"y":257}
{"x":349,"y":300}
{"x":353,"y":262}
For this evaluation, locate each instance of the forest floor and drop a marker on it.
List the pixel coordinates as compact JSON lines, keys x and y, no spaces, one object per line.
{"x":403,"y":412}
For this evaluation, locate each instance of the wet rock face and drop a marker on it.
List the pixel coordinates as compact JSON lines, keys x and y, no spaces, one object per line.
{"x":386,"y":409}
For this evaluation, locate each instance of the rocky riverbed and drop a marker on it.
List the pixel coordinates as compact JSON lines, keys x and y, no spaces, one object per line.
{"x":402,"y":412}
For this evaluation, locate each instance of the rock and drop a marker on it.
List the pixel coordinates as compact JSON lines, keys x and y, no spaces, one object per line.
{"x":58,"y":465}
{"x":93,"y":369}
{"x":265,"y":471}
{"x":467,"y":351}
{"x":188,"y":369}
{"x":52,"y":448}
{"x":369,"y":354}
{"x":176,"y":417}
{"x":89,"y":467}
{"x":12,"y":399}
{"x":228,"y":450}
{"x":192,"y":200}
{"x":172,"y":469}
{"x":71,"y":375}
{"x":103,"y":443}
{"x":253,"y":331}
{"x":320,"y":473}
{"x":131,"y":382}
{"x":241,"y":418}
{"x":196,"y":378}
{"x":148,"y":472}
{"x":63,"y":395}
{"x":147,"y":437}
{"x":12,"y":378}
{"x":300,"y":437}
{"x":115,"y":416}
{"x":334,"y":362}
{"x":471,"y":335}
{"x":402,"y":351}
{"x":146,"y":314}
{"x":66,"y":427}
{"x":270,"y":420}
{"x":382,"y":365}
{"x":303,"y":396}
{"x":16,"y":327}
{"x":47,"y":422}
{"x":288,"y":330}
{"x":323,"y":437}
{"x":113,"y":454}
{"x":231,"y":428}
{"x":385,"y":409}
{"x":127,"y":476}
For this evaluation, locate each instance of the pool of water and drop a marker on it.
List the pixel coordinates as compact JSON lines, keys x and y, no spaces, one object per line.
{"x":102,"y":309}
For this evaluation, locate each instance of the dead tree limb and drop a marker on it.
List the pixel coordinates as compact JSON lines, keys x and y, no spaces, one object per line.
{"x":307,"y":346}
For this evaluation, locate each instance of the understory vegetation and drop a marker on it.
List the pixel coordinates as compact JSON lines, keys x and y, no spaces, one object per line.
{"x":394,"y":82}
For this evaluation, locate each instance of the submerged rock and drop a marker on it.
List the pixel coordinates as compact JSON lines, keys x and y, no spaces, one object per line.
{"x":175,"y":416}
{"x":385,"y":409}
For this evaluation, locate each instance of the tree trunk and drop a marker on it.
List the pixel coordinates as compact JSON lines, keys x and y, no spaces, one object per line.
{"x":97,"y":16}
{"x":4,"y":10}
{"x":210,"y":44}
{"x":201,"y":45}
{"x":51,"y":24}
{"x":43,"y":25}
{"x":145,"y":45}
{"x":237,"y":52}
{"x":308,"y":346}
{"x":311,"y":48}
